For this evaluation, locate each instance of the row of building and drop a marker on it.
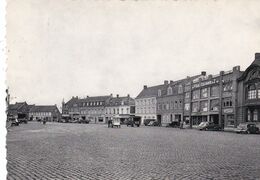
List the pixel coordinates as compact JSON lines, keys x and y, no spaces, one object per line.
{"x":23,"y":110}
{"x":227,"y":99}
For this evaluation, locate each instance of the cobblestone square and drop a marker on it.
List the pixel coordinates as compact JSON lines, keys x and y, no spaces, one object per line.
{"x":93,"y":151}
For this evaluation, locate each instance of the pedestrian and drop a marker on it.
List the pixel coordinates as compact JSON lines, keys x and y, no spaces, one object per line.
{"x":44,"y":121}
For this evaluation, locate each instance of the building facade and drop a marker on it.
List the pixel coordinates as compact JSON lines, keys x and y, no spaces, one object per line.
{"x":49,"y":113}
{"x":91,"y":108}
{"x":212,"y":98}
{"x":248,"y":99}
{"x":122,"y":107}
{"x":19,"y":110}
{"x":146,"y":102}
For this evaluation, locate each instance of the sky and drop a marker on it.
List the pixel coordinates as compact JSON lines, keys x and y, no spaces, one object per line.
{"x":60,"y":49}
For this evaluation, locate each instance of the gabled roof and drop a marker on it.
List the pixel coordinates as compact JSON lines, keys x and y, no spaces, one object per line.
{"x":94,"y":98}
{"x":255,"y":63}
{"x":150,"y":91}
{"x":17,"y":106}
{"x":116,"y":101}
{"x":44,"y":108}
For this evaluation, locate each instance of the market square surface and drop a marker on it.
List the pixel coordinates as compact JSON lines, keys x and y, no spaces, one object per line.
{"x":93,"y":151}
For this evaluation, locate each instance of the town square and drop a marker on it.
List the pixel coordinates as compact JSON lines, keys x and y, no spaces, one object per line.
{"x":93,"y":151}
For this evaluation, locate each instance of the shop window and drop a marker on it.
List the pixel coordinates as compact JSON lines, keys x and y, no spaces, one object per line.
{"x":214,"y":91}
{"x":195,"y":107}
{"x":251,"y":92}
{"x":204,"y":106}
{"x":196,"y":94}
{"x":204,"y":93}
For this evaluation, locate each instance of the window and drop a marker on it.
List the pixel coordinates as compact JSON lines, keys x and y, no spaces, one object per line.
{"x":258,"y":93}
{"x":187,"y":106}
{"x":214,"y":91}
{"x":227,"y":102}
{"x":187,"y":95}
{"x":159,"y":92}
{"x":195,"y":107}
{"x":180,"y":89}
{"x":122,"y":111}
{"x":204,"y":106}
{"x":251,"y":92}
{"x":196,"y":94}
{"x":180,"y":104}
{"x":214,"y":105}
{"x":255,"y":115}
{"x":230,"y":120}
{"x":175,"y":104}
{"x":204,"y":93}
{"x":169,"y":91}
{"x":227,"y":87}
{"x":167,"y":106}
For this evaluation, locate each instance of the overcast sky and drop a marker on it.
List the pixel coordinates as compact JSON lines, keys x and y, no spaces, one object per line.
{"x":59,"y":49}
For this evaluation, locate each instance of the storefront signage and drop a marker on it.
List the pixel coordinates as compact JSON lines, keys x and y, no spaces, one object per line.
{"x":205,"y":83}
{"x":230,"y":110}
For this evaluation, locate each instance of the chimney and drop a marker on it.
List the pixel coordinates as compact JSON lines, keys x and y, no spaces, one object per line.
{"x":145,"y":86}
{"x":128,"y":95}
{"x":236,"y":68}
{"x":117,"y":95}
{"x":203,"y":73}
{"x":165,"y":82}
{"x":87,"y":96}
{"x":171,"y":81}
{"x":210,"y":76}
{"x":111,"y":95}
{"x":257,"y":56}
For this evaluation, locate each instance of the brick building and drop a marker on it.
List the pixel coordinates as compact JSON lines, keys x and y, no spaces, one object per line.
{"x":248,"y":99}
{"x":212,"y":98}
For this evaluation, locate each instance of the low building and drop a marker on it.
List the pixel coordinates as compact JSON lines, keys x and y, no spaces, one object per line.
{"x":18,"y":110}
{"x":248,"y":99}
{"x":47,"y":112}
{"x":124,"y":107}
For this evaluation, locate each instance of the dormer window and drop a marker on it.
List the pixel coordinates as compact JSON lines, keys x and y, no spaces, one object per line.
{"x":169,"y":91}
{"x":159,"y":92}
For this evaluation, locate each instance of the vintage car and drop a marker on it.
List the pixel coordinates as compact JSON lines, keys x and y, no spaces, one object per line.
{"x":147,"y":121}
{"x":209,"y":126}
{"x":247,"y":128}
{"x":174,"y":124}
{"x":134,"y":121}
{"x":14,"y":121}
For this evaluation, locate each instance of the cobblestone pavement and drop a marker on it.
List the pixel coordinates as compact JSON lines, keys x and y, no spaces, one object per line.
{"x":89,"y":151}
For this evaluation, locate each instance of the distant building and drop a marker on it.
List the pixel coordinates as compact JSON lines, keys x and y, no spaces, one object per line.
{"x":248,"y":99}
{"x":19,"y":110}
{"x":91,"y":108}
{"x":146,"y":102}
{"x":40,"y":112}
{"x":123,"y":107}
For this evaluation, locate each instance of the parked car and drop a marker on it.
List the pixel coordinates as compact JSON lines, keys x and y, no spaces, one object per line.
{"x":173,"y":124}
{"x":147,"y":121}
{"x":134,"y":121}
{"x":116,"y":122}
{"x":247,"y":128}
{"x":14,"y":122}
{"x":84,"y":121}
{"x":23,"y":120}
{"x":154,"y":123}
{"x":209,"y":126}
